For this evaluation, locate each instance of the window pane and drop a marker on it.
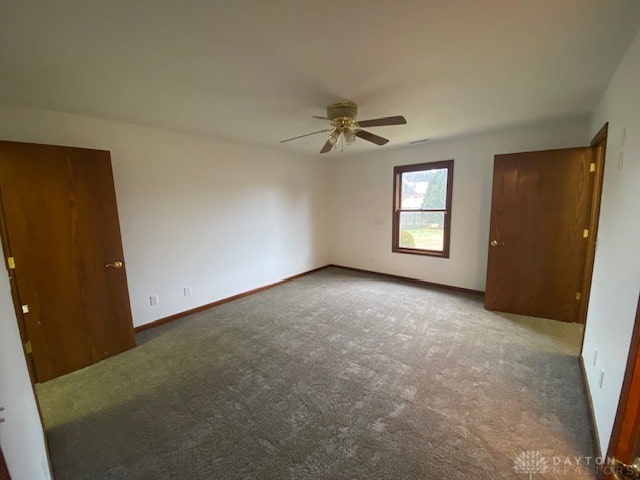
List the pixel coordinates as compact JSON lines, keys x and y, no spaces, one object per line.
{"x":424,"y":190}
{"x":423,"y":230}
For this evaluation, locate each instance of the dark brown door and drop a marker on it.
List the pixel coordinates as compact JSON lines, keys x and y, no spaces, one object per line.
{"x":539,"y":212}
{"x":4,"y":472}
{"x":62,"y":231}
{"x":624,"y":446}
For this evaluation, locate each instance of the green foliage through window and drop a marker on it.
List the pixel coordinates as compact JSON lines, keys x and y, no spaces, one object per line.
{"x":406,"y":239}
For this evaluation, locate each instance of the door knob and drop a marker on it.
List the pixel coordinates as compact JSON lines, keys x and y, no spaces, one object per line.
{"x":622,"y":471}
{"x":114,"y":265}
{"x":495,"y":243}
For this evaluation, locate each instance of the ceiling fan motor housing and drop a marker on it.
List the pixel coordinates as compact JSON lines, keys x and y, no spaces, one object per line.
{"x":341,"y":110}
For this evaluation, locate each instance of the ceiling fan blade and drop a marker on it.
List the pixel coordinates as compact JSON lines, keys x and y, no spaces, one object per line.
{"x":327,"y":147}
{"x":305,"y":135}
{"x":381,"y":122}
{"x":321,"y":118}
{"x":370,"y":137}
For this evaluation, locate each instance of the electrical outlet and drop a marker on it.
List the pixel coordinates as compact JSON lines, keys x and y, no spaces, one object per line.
{"x":595,"y":356}
{"x":601,"y":381}
{"x":154,"y":300}
{"x":187,"y":291}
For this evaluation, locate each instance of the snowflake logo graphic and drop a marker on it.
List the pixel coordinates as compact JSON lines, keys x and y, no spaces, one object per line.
{"x":530,"y":462}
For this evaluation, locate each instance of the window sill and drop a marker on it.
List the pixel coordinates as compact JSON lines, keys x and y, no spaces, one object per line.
{"x":426,"y":253}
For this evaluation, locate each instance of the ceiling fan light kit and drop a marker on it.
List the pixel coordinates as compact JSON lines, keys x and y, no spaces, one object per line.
{"x":342,"y":118}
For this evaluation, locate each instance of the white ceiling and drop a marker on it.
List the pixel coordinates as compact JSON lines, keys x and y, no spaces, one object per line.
{"x":255,"y":71}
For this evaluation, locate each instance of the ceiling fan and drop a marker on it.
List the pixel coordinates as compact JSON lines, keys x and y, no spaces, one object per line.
{"x":342,"y":117}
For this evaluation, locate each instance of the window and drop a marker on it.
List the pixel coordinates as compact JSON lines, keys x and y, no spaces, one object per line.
{"x":422,"y":208}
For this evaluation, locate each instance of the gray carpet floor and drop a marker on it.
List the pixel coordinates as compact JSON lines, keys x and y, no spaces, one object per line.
{"x":335,"y":375}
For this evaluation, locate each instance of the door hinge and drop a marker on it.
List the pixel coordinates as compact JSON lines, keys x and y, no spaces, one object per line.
{"x":585,"y":233}
{"x":578,"y":295}
{"x":27,"y":347}
{"x":25,"y":308}
{"x":592,"y":168}
{"x":12,"y":263}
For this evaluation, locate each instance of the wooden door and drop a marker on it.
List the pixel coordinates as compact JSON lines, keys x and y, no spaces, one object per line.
{"x":62,"y":231}
{"x":540,"y":209}
{"x":4,"y":472}
{"x":624,"y":445}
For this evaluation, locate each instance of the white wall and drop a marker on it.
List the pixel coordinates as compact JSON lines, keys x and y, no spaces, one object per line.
{"x":616,"y":276}
{"x":219,"y":217}
{"x":362,"y":189}
{"x":21,"y":435}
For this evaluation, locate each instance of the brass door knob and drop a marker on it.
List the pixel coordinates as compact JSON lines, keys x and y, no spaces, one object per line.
{"x":114,"y":265}
{"x":622,"y":471}
{"x":495,"y":243}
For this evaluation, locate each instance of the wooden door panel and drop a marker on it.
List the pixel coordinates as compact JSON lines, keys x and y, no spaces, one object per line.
{"x":540,"y":208}
{"x":104,"y":297}
{"x":35,"y":200}
{"x":4,"y":472}
{"x":61,"y":223}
